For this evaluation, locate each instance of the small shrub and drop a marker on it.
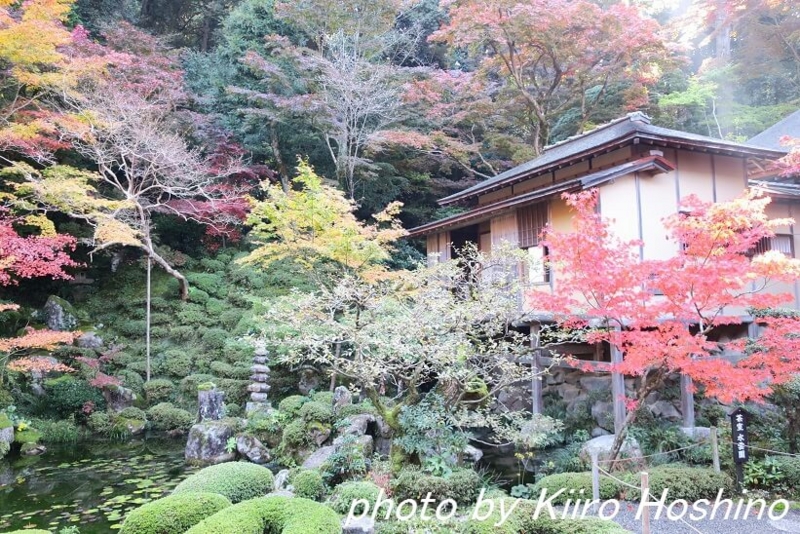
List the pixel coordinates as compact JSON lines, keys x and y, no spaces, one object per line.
{"x":131,"y":412}
{"x":64,"y":431}
{"x":577,"y":482}
{"x":235,"y":390}
{"x":356,"y":409}
{"x":690,"y":483}
{"x":174,"y":514}
{"x":308,"y":483}
{"x":346,"y":462}
{"x":325,"y":397}
{"x":67,"y":396}
{"x":165,"y":416}
{"x":175,"y":363}
{"x":100,"y":423}
{"x":158,"y":390}
{"x":789,"y":468}
{"x":463,"y":485}
{"x":316,"y":411}
{"x":291,"y":405}
{"x":238,"y":481}
{"x":272,"y":514}
{"x":344,"y":494}
{"x":188,"y":386}
{"x":131,"y":380}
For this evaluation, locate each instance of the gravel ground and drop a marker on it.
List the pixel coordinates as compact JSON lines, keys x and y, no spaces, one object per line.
{"x":752,"y":525}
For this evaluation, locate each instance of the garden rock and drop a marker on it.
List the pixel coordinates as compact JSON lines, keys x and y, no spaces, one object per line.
{"x":37,"y":377}
{"x":7,"y":437}
{"x":472,"y":454}
{"x":33,"y":449}
{"x":281,"y":479}
{"x":309,"y":381}
{"x":666,"y":410}
{"x":603,"y":445}
{"x":89,"y":340}
{"x":597,"y":432}
{"x":211,"y":405}
{"x":319,"y":434}
{"x":357,"y":424}
{"x":698,"y":433}
{"x":319,"y":457}
{"x":118,"y":398}
{"x":252,"y":449}
{"x":207,"y":443}
{"x":280,"y":493}
{"x":341,"y":398}
{"x":59,"y":314}
{"x":361,"y":525}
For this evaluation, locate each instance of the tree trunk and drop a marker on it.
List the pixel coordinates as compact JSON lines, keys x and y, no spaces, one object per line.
{"x":276,"y":153}
{"x":184,"y":283}
{"x":645,"y":388}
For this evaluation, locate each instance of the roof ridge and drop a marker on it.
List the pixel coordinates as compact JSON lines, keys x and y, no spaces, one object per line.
{"x":635,"y":116}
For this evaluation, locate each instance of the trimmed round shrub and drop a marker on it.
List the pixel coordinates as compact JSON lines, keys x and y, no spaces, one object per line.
{"x":291,"y":405}
{"x":67,"y":396}
{"x":174,"y":514}
{"x":287,"y":515}
{"x":325,"y":397}
{"x":238,"y":481}
{"x":344,"y":494}
{"x":463,"y":485}
{"x":188,"y":386}
{"x":689,"y":483}
{"x":309,"y":484}
{"x":131,"y":412}
{"x":158,"y":390}
{"x":165,"y":416}
{"x":316,"y":411}
{"x":574,"y":481}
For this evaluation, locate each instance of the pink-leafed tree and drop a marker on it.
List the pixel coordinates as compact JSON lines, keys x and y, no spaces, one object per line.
{"x":662,"y":315}
{"x":24,"y":257}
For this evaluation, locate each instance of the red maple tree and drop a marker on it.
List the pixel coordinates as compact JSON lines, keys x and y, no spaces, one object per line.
{"x":664,"y":315}
{"x":31,"y":257}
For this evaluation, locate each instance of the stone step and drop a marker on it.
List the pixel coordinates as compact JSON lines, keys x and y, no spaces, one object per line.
{"x":258,"y":397}
{"x":258,"y":368}
{"x":258,"y":388}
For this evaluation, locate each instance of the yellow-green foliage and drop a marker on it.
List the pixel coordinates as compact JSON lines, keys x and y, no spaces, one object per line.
{"x":238,"y":481}
{"x":316,"y":222}
{"x":308,"y":483}
{"x":286,"y":515}
{"x":174,"y":514}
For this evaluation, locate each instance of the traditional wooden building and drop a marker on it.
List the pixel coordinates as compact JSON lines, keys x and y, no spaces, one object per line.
{"x":642,"y":171}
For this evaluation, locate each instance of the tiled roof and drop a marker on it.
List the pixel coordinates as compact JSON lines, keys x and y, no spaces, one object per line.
{"x":618,"y":132}
{"x":771,"y":137}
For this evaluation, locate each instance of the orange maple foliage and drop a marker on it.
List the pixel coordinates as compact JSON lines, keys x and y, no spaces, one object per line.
{"x":665,"y":315}
{"x":38,"y":364}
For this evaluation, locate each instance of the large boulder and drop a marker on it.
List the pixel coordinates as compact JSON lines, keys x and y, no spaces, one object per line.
{"x":341,"y":398}
{"x":207,"y":442}
{"x":602,"y":446}
{"x":319,"y":457}
{"x":211,"y":405}
{"x":252,"y":449}
{"x":666,"y":410}
{"x":89,"y":340}
{"x":118,"y":398}
{"x":357,"y":424}
{"x":6,"y":434}
{"x":58,"y":314}
{"x":361,"y":525}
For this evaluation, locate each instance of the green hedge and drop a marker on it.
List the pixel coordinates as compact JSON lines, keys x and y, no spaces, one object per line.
{"x":463,"y":485}
{"x":577,"y":482}
{"x":344,"y":494}
{"x":165,"y":416}
{"x":286,"y":515}
{"x":309,"y":484}
{"x":174,"y":514}
{"x":238,"y":481}
{"x":689,"y":483}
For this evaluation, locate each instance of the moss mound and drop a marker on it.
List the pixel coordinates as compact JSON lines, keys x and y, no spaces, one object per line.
{"x":238,"y":481}
{"x":285,"y":515}
{"x":174,"y":514}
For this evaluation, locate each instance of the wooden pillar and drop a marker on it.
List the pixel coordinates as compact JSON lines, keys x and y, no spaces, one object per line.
{"x":687,"y":401}
{"x":617,"y":391}
{"x":537,"y":385}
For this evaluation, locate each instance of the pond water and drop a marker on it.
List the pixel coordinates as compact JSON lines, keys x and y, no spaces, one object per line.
{"x":89,"y":484}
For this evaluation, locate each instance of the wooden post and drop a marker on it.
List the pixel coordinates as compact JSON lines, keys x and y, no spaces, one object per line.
{"x":643,"y":504}
{"x":595,"y":480}
{"x":687,"y":401}
{"x":537,"y":385}
{"x":617,"y":391}
{"x":714,"y":449}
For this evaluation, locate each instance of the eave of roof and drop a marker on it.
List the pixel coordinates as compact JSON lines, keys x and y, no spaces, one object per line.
{"x":654,"y":164}
{"x":631,"y":129}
